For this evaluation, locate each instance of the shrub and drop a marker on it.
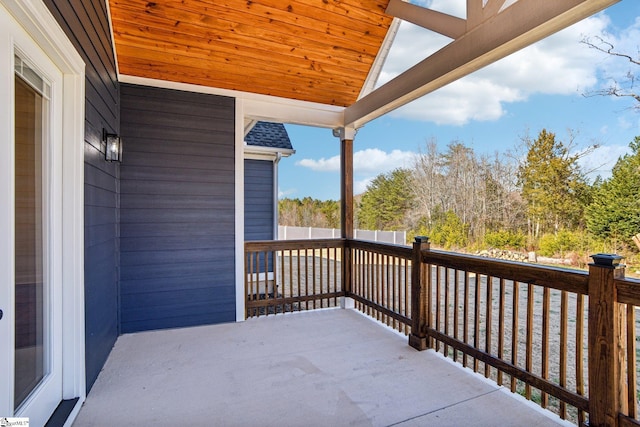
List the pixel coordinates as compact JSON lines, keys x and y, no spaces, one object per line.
{"x":563,"y":241}
{"x":505,"y":239}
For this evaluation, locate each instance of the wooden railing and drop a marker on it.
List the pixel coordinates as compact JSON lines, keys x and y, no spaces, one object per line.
{"x":521,"y":325}
{"x":380,"y":282}
{"x":292,"y":275}
{"x":563,"y":339}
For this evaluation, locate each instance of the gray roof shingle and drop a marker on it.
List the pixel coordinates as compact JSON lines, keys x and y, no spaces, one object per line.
{"x":267,"y":134}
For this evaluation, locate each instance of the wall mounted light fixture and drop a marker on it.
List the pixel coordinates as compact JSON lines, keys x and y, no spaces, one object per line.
{"x":113,"y":149}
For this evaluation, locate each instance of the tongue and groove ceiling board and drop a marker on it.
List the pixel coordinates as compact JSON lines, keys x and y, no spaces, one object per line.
{"x":310,"y":50}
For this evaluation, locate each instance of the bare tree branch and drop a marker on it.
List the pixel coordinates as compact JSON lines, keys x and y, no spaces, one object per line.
{"x":617,"y":89}
{"x":608,"y":48}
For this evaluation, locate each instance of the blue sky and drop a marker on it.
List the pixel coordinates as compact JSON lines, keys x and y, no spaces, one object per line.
{"x":539,"y":87}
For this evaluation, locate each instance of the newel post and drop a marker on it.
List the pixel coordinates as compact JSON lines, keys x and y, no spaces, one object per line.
{"x":607,"y":382}
{"x":418,"y":336}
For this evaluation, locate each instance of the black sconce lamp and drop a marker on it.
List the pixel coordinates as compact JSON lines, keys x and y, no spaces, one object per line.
{"x":113,"y":148}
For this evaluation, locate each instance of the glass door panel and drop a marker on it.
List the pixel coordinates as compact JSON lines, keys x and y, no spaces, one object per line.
{"x":30,"y":285}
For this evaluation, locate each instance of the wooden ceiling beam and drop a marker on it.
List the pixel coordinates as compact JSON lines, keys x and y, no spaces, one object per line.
{"x":475,"y":13}
{"x":447,"y":25}
{"x":517,"y":26}
{"x":493,"y":7}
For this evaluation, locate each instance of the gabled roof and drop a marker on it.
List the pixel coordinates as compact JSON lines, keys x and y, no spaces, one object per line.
{"x":317,"y":59}
{"x":271,"y":135}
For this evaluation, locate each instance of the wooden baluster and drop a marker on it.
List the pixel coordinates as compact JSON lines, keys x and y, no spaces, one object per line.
{"x":632,"y":375}
{"x":564,"y":347}
{"x":456,"y":311}
{"x":465,"y":316}
{"x":501,"y":310}
{"x":529,"y":344}
{"x":436,"y":300}
{"x":488,"y":320}
{"x":514,"y":332}
{"x":476,"y":319}
{"x":580,"y":352}
{"x":544,"y":397}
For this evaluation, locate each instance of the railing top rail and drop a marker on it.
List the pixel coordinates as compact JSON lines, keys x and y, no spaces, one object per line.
{"x":628,"y":291}
{"x":382,"y":248}
{"x":550,"y":277}
{"x":278,"y":245}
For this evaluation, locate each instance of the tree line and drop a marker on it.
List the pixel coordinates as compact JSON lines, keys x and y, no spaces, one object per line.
{"x":540,"y":199}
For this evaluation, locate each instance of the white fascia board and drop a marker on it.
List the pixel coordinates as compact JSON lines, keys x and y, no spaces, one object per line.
{"x":521,"y":24}
{"x":263,"y":153}
{"x":113,"y":39}
{"x":378,"y":63}
{"x":260,"y":107}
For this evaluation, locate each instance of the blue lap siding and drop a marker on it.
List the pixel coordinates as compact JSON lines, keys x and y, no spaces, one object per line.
{"x":85,"y":23}
{"x":258,"y":200}
{"x":177,"y":209}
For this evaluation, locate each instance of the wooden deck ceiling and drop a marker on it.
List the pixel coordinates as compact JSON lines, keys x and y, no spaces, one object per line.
{"x":311,"y":50}
{"x":324,"y":51}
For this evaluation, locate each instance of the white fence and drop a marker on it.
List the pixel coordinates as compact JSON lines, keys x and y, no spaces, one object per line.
{"x":286,"y":232}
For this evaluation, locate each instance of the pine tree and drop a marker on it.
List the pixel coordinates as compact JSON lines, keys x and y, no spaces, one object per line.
{"x":386,"y":202}
{"x":615,"y":209}
{"x":553,"y":186}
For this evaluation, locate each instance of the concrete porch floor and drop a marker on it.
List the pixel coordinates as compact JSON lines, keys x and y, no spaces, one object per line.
{"x":320,"y":368}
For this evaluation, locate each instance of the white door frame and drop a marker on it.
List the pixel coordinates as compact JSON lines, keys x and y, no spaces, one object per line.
{"x":41,"y":26}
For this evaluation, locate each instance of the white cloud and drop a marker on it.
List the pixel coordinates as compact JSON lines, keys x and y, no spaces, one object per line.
{"x":559,"y":64}
{"x":371,"y":160}
{"x":321,"y":165}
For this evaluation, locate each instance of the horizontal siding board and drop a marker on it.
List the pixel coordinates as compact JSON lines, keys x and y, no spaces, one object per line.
{"x":158,"y":139}
{"x":201,"y":296}
{"x":161,"y":201}
{"x":198,"y":305}
{"x":181,"y":174}
{"x":170,"y":188}
{"x":98,"y":196}
{"x":223,"y":219}
{"x":97,"y":177}
{"x":188,"y":229}
{"x":219,"y":316}
{"x":97,"y":215}
{"x":152,"y":258}
{"x":179,"y":144}
{"x":99,"y":234}
{"x":136,"y":278}
{"x":167,"y":284}
{"x":158,"y":160}
{"x":177,"y":214}
{"x":166,"y":243}
{"x":161,"y":95}
{"x":190,"y":110}
{"x":167,"y":120}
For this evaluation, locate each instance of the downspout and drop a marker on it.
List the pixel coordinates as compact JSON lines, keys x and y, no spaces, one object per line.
{"x":275,"y":195}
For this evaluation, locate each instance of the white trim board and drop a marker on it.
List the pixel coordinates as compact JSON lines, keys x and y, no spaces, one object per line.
{"x":41,"y":26}
{"x":260,"y":107}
